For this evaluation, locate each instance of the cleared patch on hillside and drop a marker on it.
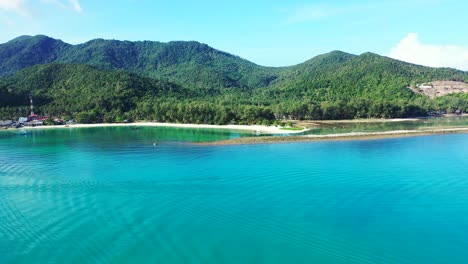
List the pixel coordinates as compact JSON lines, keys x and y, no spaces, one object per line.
{"x":440,"y":88}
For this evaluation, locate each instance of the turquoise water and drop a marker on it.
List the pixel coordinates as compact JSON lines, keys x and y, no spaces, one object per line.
{"x":109,"y":195}
{"x":429,"y":123}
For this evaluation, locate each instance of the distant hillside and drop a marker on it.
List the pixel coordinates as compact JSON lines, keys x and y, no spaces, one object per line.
{"x":340,"y":76}
{"x":192,"y":64}
{"x":440,"y":88}
{"x":67,"y":89}
{"x":197,"y":65}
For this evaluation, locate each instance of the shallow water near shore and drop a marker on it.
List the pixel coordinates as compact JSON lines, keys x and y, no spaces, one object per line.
{"x":420,"y":124}
{"x":118,"y":195}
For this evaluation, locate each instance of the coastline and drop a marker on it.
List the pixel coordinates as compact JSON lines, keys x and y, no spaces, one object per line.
{"x":336,"y":137}
{"x":376,"y":120}
{"x":260,"y":128}
{"x":305,"y":124}
{"x":274,"y":134}
{"x":351,"y":121}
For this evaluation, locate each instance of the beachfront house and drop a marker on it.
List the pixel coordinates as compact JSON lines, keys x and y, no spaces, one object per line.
{"x":33,"y":117}
{"x":34,"y":123}
{"x":5,"y":123}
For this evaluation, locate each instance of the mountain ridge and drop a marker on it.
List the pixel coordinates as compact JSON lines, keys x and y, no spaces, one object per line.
{"x":368,"y":53}
{"x":178,"y":61}
{"x":188,"y":63}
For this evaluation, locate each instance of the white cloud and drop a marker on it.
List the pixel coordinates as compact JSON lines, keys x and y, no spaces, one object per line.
{"x":410,"y":49}
{"x":16,"y":6}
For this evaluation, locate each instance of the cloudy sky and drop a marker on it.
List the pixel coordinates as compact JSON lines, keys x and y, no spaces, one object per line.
{"x":267,"y":32}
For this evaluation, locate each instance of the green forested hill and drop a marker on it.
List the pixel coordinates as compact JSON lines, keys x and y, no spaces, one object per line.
{"x":26,"y":51}
{"x":92,"y":95}
{"x":61,"y":89}
{"x":191,"y":64}
{"x":340,"y":76}
{"x":192,"y":82}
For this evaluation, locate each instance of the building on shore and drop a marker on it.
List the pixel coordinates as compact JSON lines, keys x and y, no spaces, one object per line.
{"x":6,"y":123}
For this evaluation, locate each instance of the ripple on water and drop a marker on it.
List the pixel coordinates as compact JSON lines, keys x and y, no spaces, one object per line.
{"x":125,"y":201}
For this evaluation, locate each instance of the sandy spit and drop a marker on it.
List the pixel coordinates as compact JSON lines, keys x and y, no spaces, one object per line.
{"x":336,"y":137}
{"x":254,"y":128}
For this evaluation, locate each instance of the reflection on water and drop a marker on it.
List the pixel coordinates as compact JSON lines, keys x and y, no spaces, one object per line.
{"x":101,"y":135}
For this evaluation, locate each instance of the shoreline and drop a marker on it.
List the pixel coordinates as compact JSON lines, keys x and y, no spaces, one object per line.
{"x":375,"y":120}
{"x":275,"y":134}
{"x":336,"y":137}
{"x":254,"y":128}
{"x":370,"y":120}
{"x":305,"y":124}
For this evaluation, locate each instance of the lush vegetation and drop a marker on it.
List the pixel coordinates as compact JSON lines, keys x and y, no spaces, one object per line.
{"x":92,"y":95}
{"x":189,"y":82}
{"x":191,"y":64}
{"x":82,"y":91}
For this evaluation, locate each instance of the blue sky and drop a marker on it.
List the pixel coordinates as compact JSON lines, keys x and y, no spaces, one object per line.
{"x":273,"y":33}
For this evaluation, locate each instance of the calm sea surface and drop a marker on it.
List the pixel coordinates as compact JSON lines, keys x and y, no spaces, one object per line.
{"x":109,"y":195}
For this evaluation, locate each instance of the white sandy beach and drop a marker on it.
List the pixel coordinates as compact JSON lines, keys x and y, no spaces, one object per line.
{"x":254,"y":128}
